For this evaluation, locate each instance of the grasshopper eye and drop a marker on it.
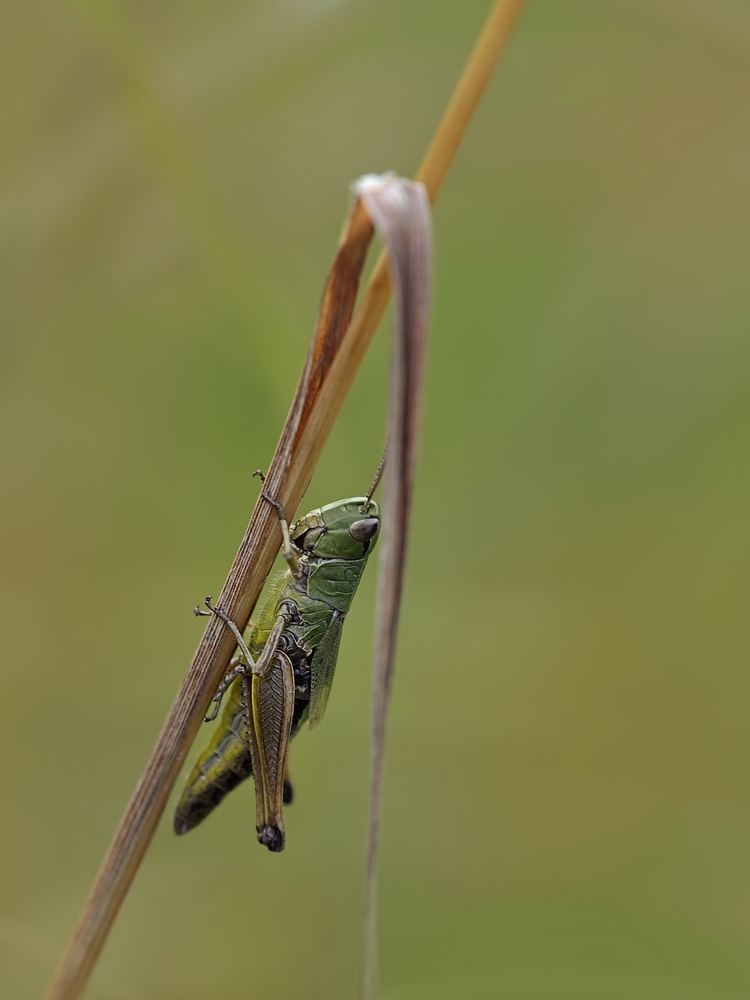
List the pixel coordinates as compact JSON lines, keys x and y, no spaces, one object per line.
{"x":363,"y":531}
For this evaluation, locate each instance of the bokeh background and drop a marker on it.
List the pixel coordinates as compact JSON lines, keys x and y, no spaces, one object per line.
{"x":567,"y":811}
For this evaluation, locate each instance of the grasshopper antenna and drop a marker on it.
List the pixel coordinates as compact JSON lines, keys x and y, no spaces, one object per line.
{"x":366,"y":505}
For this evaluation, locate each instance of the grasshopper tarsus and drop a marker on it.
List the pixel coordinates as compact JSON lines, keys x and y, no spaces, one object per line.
{"x":260,"y":474}
{"x":217,"y":703}
{"x":200,"y":613}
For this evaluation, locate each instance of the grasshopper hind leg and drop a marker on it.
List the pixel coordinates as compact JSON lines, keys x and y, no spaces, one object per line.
{"x":271,"y":711}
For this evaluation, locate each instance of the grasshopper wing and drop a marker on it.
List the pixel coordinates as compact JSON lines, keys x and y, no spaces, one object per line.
{"x":322,"y":667}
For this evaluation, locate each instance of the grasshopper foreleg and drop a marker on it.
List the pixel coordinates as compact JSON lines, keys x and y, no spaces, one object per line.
{"x":289,"y":554}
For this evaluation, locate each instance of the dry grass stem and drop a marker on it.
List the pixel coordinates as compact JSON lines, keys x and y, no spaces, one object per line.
{"x":337,"y":351}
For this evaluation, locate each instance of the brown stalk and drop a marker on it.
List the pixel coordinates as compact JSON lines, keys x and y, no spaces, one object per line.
{"x":340,"y":343}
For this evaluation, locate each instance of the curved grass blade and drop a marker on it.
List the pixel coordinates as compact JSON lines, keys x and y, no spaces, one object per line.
{"x":400,"y":210}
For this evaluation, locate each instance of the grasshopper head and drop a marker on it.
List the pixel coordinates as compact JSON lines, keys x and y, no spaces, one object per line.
{"x":346,"y":529}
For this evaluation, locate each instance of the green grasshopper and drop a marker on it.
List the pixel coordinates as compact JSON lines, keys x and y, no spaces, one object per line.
{"x":282,"y":675}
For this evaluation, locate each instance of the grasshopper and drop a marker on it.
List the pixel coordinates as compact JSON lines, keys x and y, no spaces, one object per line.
{"x":283,"y":672}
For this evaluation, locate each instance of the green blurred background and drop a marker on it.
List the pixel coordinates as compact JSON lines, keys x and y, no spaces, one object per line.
{"x":567,"y":809}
